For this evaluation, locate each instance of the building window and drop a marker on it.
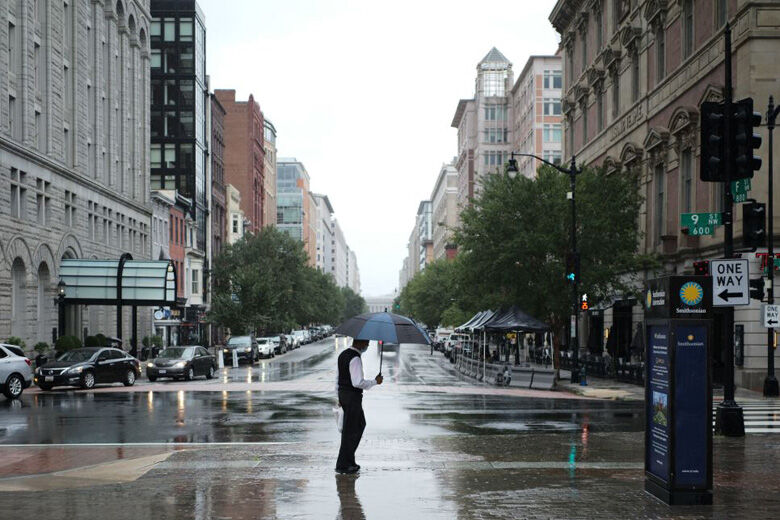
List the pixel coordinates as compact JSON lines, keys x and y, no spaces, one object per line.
{"x":43,"y":201}
{"x":687,"y":22}
{"x":18,"y":297}
{"x":570,"y":128}
{"x":552,"y":133}
{"x":620,"y":9}
{"x":570,"y":64}
{"x":13,"y":126}
{"x":495,"y":135}
{"x":635,"y":77}
{"x":660,"y":54}
{"x":599,"y":29}
{"x":584,"y":123}
{"x":585,"y":49}
{"x":18,"y":194}
{"x":552,"y":79}
{"x":195,"y":281}
{"x":235,"y":224}
{"x":552,"y":107}
{"x":659,"y":202}
{"x":70,"y":208}
{"x":615,"y":95}
{"x":600,"y":109}
{"x":553,"y":156}
{"x":686,"y":174}
{"x":721,"y":13}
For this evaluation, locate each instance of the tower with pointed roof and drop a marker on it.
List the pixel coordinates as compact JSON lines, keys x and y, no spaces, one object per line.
{"x":484,"y":125}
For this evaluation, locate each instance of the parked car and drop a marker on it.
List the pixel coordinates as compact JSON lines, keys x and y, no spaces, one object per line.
{"x":86,"y":367}
{"x":265,"y":347}
{"x":16,"y":371}
{"x":280,"y":345}
{"x":245,"y":347}
{"x":182,"y":363}
{"x":302,"y":336}
{"x":292,"y":341}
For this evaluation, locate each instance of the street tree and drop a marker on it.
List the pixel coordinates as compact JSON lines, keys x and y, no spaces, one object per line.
{"x":354,"y":304}
{"x":430,"y":292}
{"x":514,"y":238}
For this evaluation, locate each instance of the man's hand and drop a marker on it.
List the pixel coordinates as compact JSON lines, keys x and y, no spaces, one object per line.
{"x":379,"y":379}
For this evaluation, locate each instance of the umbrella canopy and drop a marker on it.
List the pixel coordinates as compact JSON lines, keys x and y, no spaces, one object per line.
{"x":384,"y":326}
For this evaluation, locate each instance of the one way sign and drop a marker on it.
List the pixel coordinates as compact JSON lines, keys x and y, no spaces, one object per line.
{"x":771,"y":315}
{"x":730,"y":282}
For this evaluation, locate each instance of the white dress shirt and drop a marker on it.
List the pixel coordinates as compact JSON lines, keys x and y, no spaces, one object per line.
{"x":356,"y":374}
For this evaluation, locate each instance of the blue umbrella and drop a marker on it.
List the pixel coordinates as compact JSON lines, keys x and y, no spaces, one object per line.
{"x":385,"y":327}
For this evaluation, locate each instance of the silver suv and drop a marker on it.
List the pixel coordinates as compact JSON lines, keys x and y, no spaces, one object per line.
{"x":16,"y":371}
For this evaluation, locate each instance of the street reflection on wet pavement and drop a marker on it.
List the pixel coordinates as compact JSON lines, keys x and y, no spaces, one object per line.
{"x":429,"y":455}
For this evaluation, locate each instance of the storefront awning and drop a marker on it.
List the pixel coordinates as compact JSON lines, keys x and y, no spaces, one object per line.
{"x":114,"y":282}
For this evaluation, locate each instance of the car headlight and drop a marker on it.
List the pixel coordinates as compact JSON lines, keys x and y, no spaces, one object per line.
{"x":248,"y":349}
{"x":180,"y":364}
{"x":150,"y":365}
{"x":75,"y":370}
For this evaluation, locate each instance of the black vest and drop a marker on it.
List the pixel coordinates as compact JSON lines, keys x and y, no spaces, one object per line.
{"x":345,"y":380}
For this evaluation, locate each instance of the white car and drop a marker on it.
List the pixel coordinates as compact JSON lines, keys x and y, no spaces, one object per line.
{"x":265,"y":347}
{"x":16,"y":372}
{"x":292,"y":341}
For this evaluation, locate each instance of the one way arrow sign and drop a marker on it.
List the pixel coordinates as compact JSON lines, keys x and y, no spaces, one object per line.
{"x":730,"y":282}
{"x":771,"y":316}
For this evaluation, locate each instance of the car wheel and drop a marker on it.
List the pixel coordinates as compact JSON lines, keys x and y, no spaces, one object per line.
{"x":88,"y":380}
{"x":13,"y":386}
{"x":129,"y":378}
{"x":190,"y":374}
{"x":151,"y":379}
{"x":210,"y":374}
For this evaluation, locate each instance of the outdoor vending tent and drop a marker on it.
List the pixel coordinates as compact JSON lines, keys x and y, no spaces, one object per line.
{"x":514,"y":319}
{"x":119,"y":282}
{"x":466,"y":327}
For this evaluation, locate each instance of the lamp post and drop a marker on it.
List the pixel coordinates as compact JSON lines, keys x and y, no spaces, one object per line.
{"x":572,"y":172}
{"x":770,"y":382}
{"x":61,"y":286}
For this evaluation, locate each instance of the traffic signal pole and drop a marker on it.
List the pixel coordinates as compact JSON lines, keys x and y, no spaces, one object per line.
{"x":729,"y":419}
{"x":770,"y":382}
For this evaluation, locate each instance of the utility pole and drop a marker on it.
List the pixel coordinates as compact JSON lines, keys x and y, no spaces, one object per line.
{"x":729,"y":419}
{"x":770,"y":382}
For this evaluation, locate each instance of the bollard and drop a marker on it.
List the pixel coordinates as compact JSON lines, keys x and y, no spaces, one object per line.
{"x":235,"y":358}
{"x":220,"y":359}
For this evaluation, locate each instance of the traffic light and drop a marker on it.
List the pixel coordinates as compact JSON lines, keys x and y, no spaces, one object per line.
{"x":712,"y":167}
{"x":757,"y":288}
{"x":572,"y":267}
{"x":745,"y":140}
{"x":701,"y":268}
{"x":584,"y":303}
{"x":754,"y":224}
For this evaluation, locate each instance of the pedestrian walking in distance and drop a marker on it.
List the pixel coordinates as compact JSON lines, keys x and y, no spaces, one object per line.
{"x":350,"y":385}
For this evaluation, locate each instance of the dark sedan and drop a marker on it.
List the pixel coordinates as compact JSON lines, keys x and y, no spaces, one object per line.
{"x":86,"y":367}
{"x":182,"y":363}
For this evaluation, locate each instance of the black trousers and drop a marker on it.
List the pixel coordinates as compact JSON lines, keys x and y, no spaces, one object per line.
{"x":352,"y":430}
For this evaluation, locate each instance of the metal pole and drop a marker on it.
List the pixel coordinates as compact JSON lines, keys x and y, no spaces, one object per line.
{"x":60,"y":316}
{"x":575,"y":370}
{"x":770,"y":382}
{"x":729,"y":419}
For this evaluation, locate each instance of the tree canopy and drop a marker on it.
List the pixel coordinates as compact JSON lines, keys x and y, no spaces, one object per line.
{"x":263,"y":283}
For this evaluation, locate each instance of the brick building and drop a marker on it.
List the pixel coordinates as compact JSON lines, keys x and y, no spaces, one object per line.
{"x":244,"y":153}
{"x":269,"y":173}
{"x":635,"y":75}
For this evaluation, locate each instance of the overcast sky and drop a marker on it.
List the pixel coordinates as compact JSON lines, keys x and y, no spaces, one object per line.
{"x":363,"y":93}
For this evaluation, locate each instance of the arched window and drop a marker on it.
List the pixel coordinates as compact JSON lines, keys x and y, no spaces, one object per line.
{"x":18,"y":297}
{"x":43,"y":301}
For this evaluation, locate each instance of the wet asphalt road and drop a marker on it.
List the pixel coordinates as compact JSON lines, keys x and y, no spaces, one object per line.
{"x":442,"y":454}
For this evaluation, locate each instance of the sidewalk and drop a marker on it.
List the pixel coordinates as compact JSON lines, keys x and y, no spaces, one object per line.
{"x":600,"y":388}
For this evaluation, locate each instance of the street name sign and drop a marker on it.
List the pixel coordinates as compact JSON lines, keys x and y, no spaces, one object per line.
{"x":730,"y":282}
{"x":700,"y":223}
{"x":740,"y":189}
{"x":770,"y":316}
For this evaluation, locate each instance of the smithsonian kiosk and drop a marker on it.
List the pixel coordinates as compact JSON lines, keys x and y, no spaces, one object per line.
{"x":678,"y":393}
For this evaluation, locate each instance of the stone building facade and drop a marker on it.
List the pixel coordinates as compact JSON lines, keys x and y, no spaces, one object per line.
{"x":444,"y":212}
{"x":484,"y":125}
{"x":269,"y":174}
{"x":74,"y":159}
{"x":635,"y":75}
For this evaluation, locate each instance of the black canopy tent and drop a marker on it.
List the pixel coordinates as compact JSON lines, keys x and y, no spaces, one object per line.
{"x":514,"y":319}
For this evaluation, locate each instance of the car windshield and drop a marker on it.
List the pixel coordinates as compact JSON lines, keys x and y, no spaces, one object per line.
{"x":240,"y":341}
{"x":77,"y":355}
{"x":262,"y":341}
{"x":176,"y":353}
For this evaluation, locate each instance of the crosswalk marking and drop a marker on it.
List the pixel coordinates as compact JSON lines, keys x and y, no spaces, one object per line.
{"x":760,"y":416}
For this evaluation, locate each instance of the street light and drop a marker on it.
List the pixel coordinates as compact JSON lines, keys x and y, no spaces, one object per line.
{"x":572,"y":172}
{"x":770,"y":382}
{"x":61,"y":286}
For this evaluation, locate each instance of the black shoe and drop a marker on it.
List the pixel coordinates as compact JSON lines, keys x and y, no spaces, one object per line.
{"x":351,"y":470}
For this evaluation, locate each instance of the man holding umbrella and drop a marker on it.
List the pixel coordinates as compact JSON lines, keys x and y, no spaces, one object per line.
{"x":377,"y":326}
{"x":350,"y":385}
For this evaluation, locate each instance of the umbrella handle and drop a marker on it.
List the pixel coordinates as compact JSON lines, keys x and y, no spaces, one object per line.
{"x":381,"y":351}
